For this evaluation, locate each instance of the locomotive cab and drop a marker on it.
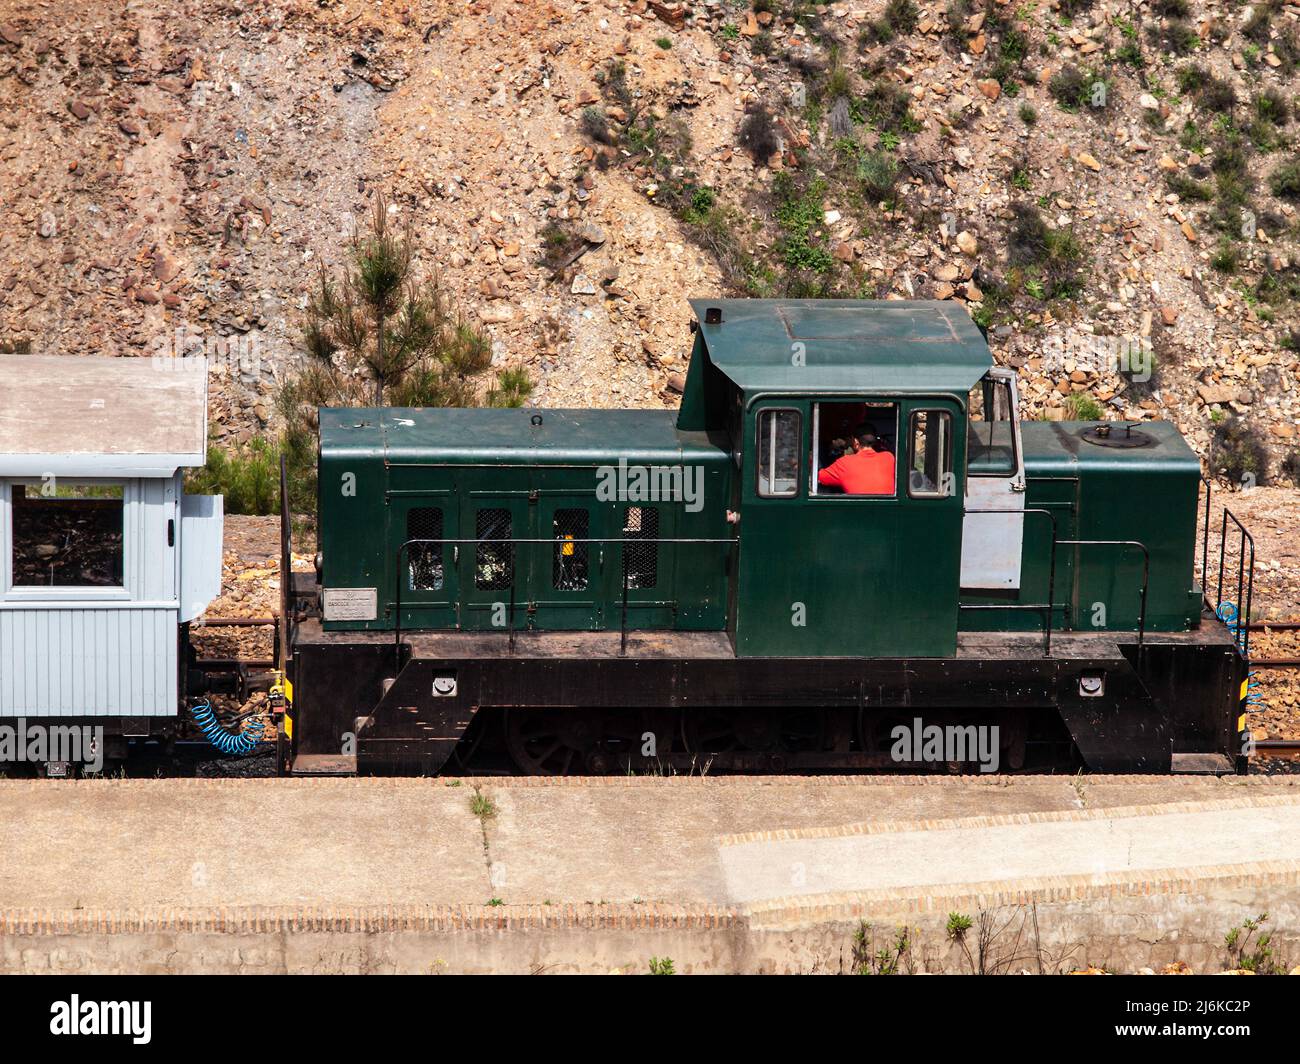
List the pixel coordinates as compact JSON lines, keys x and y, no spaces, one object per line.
{"x":850,"y":548}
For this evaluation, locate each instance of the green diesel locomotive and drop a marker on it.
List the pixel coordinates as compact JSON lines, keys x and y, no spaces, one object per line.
{"x":843,"y":552}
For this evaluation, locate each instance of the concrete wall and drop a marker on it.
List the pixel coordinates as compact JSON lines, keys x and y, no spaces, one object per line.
{"x":1123,"y":933}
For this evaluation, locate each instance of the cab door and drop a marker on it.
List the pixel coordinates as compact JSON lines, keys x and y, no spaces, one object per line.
{"x":931,"y":453}
{"x":993,"y":539}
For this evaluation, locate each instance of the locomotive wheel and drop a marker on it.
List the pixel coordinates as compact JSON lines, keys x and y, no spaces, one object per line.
{"x":709,"y":731}
{"x":563,"y":742}
{"x":551,"y":742}
{"x":756,"y":730}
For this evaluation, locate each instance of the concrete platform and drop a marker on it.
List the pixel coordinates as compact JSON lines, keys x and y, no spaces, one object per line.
{"x":723,"y":874}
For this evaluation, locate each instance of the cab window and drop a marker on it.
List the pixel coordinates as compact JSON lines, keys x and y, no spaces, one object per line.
{"x":990,"y":434}
{"x":856,"y":442}
{"x":777,"y":452}
{"x":929,"y":461}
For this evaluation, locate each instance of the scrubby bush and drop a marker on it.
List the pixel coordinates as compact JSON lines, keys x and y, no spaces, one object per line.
{"x":248,"y":475}
{"x":878,"y":171}
{"x":1075,"y":89}
{"x":1191,"y":78}
{"x":1237,"y":451}
{"x":886,"y":107}
{"x":758,"y":134}
{"x":1270,"y":106}
{"x":1176,"y":36}
{"x":1217,"y":96}
{"x":378,"y":333}
{"x":800,"y":213}
{"x":1285,"y":181}
{"x":899,"y":17}
{"x":1083,"y":407}
{"x":1289,"y":468}
{"x":1054,"y":257}
{"x":1226,"y":257}
{"x":596,"y":125}
{"x":1189,"y":189}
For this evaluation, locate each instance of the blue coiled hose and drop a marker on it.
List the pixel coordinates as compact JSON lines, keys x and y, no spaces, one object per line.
{"x":1231,"y":617}
{"x":241,"y":742}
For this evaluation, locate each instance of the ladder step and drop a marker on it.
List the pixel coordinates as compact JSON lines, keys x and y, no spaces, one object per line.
{"x":324,"y":765}
{"x":1202,"y":765}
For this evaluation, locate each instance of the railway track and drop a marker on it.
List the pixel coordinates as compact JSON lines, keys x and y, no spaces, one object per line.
{"x":1275,"y":626}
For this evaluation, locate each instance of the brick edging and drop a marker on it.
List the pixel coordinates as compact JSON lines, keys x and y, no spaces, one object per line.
{"x":1056,"y":816}
{"x":370,"y":919}
{"x":1042,"y":890}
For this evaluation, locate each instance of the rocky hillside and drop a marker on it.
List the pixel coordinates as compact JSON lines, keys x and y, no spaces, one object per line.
{"x":1110,"y":188}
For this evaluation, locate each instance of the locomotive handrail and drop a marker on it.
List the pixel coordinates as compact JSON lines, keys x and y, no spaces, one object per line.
{"x":284,"y":630}
{"x":1205,"y":543}
{"x":1245,"y":570}
{"x":1049,"y":606}
{"x":1146,"y":571}
{"x":1245,"y":576}
{"x":539,"y":540}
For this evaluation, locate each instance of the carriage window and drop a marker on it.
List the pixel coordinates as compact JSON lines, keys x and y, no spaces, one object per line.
{"x":67,"y":535}
{"x":424,"y":559}
{"x":854,"y":448}
{"x":778,"y":453}
{"x":494,"y":559}
{"x":569,"y":566}
{"x":641,"y":523}
{"x":990,"y":433}
{"x":930,"y":458}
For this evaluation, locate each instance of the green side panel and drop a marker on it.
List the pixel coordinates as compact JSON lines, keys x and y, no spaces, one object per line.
{"x":1148,"y":494}
{"x":469,"y":474}
{"x":350,"y":505}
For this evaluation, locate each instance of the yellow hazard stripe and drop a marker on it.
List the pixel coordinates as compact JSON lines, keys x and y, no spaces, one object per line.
{"x":1241,"y":723}
{"x":1244,"y":685}
{"x":288,"y":726}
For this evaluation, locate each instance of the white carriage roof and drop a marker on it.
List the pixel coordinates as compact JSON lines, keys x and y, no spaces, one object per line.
{"x":69,"y":415}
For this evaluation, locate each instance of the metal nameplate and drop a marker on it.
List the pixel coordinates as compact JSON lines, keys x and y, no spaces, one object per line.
{"x":350,"y":603}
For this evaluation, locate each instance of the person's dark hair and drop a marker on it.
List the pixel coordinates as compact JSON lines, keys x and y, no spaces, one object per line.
{"x":865,"y":434}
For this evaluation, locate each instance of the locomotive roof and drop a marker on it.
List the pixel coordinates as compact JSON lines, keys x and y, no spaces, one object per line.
{"x":79,"y":415}
{"x":859,"y":345}
{"x":442,"y":435}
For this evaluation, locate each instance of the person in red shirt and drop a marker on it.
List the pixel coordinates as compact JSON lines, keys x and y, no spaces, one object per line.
{"x":864,"y":470}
